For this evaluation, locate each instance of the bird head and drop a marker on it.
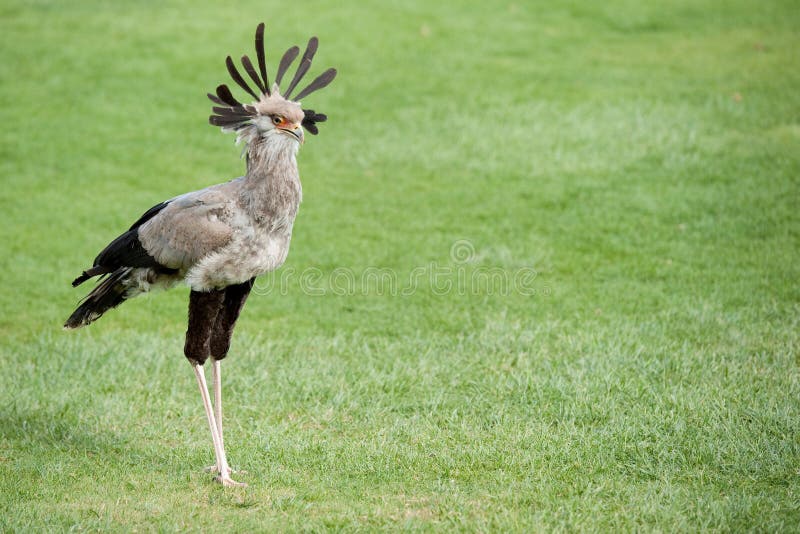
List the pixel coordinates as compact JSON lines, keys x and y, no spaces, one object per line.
{"x":275,"y":114}
{"x":278,"y":118}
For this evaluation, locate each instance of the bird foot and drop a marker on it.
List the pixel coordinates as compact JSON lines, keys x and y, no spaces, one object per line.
{"x":213,"y":469}
{"x":228,"y":482}
{"x":225,"y":478}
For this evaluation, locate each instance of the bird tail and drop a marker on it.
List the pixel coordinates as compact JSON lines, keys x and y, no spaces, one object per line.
{"x":109,"y":293}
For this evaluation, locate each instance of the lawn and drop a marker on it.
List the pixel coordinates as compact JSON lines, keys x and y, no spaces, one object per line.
{"x":544,"y":276}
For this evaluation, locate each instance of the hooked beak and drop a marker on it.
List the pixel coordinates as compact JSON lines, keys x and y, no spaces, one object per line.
{"x":297,"y":133}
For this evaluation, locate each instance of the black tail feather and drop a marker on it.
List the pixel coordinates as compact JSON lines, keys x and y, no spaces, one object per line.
{"x":89,"y":273}
{"x":109,"y":293}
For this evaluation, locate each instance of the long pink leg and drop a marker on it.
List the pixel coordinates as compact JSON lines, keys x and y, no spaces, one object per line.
{"x":216,"y":380}
{"x":219,"y":451}
{"x":216,"y":384}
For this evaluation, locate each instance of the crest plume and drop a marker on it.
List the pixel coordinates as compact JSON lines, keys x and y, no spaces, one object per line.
{"x":231,"y":114}
{"x":286,"y":62}
{"x":305,"y":64}
{"x":319,"y":82}
{"x":238,"y":77}
{"x":262,"y":62}
{"x":251,"y":71}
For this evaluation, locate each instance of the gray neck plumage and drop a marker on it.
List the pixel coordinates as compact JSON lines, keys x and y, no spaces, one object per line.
{"x":272,"y":183}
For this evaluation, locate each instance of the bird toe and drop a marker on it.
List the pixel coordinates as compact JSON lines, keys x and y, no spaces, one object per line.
{"x":228,"y":482}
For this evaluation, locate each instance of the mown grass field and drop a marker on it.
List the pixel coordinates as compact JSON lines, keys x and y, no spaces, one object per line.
{"x":638,"y":163}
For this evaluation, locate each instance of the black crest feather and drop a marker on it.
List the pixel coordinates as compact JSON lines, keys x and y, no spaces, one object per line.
{"x":215,"y":99}
{"x":251,"y":71}
{"x":230,"y":113}
{"x":319,"y":82}
{"x":238,"y":77}
{"x":286,"y":61}
{"x":305,"y":64}
{"x":310,"y":120}
{"x":262,"y":62}
{"x":225,"y":95}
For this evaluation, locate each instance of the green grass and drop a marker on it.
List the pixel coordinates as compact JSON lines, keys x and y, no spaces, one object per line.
{"x":642,"y":159}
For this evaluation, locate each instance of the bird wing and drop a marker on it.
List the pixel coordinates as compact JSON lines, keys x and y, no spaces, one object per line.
{"x":124,"y":251}
{"x":190,"y":227}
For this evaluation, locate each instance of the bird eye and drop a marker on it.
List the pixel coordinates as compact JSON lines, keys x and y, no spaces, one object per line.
{"x":277,"y":120}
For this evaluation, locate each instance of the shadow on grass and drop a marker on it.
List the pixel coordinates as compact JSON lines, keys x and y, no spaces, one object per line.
{"x":60,"y":432}
{"x":46,"y":445}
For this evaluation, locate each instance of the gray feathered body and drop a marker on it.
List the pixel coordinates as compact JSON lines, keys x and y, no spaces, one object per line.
{"x":229,"y":233}
{"x":213,"y":238}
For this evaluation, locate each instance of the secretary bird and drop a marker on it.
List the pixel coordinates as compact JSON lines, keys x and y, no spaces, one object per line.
{"x":218,"y":239}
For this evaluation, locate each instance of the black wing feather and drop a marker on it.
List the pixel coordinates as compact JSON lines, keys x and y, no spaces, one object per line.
{"x":125,"y":251}
{"x":149,"y":214}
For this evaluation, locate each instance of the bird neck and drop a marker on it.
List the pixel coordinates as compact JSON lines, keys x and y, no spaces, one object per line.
{"x":273,"y":189}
